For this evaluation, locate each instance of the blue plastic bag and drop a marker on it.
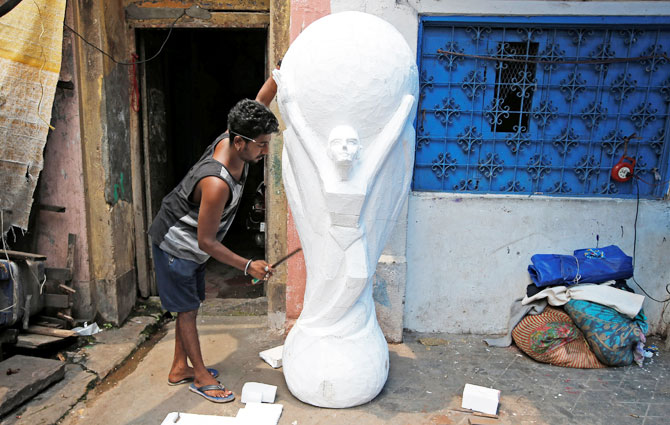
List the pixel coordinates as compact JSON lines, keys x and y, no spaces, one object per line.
{"x":590,"y":265}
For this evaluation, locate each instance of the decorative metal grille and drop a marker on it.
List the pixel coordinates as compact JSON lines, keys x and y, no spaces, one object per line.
{"x":510,"y":105}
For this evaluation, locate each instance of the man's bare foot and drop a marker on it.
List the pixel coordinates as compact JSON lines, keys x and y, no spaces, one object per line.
{"x":183,"y":375}
{"x":211,"y":381}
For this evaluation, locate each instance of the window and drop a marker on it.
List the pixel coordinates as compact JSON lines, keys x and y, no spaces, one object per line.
{"x":515,"y":84}
{"x":547,"y":105}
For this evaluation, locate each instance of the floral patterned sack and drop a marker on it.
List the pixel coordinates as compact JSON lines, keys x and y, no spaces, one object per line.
{"x":552,"y":337}
{"x":611,"y":335}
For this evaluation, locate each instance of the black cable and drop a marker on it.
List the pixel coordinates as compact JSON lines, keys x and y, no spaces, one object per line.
{"x":7,"y":6}
{"x":637,"y":210}
{"x":651,"y":184}
{"x":183,"y":12}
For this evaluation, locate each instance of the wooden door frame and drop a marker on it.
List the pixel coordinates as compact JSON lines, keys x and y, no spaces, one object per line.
{"x":276,"y":22}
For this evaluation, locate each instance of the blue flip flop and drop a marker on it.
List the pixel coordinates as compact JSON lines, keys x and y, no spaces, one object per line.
{"x":201,"y":391}
{"x":212,"y":371}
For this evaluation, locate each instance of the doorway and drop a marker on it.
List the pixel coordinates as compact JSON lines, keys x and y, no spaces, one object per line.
{"x":187,"y":93}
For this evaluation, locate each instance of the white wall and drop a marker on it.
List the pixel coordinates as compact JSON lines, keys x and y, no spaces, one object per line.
{"x":467,"y":255}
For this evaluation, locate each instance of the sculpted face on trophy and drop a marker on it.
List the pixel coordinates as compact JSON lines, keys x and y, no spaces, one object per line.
{"x":347,"y":92}
{"x":343,"y":148}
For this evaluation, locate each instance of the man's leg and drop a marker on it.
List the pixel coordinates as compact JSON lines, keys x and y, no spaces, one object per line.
{"x":180,"y":368}
{"x":181,"y":288}
{"x":188,"y":336}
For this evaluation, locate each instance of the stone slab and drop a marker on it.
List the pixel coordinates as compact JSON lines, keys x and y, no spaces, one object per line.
{"x":36,"y":341}
{"x":114,"y":345}
{"x":388,"y":291}
{"x":31,"y":375}
{"x":49,"y":406}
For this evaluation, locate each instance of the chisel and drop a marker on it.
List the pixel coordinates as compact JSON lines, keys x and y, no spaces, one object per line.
{"x":278,"y":262}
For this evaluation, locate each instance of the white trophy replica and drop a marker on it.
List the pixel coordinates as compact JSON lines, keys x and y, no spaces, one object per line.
{"x":347,"y":91}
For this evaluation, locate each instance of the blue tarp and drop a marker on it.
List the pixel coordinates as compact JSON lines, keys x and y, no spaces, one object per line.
{"x":591,"y":265}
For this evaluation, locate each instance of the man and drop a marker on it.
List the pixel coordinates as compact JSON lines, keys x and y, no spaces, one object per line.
{"x":190,"y":225}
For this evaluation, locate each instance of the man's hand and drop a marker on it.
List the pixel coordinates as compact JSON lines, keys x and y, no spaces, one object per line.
{"x":284,"y":94}
{"x":260,"y":270}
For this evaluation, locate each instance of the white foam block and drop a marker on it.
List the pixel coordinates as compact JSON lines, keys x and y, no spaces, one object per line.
{"x":259,"y":414}
{"x":255,"y":392}
{"x":191,"y":419}
{"x":481,"y":399}
{"x":273,"y":356}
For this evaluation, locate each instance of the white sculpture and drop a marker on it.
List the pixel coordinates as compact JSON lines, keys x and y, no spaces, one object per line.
{"x":347,"y":92}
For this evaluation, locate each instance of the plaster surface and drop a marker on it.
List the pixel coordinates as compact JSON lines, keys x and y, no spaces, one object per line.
{"x":346,"y":168}
{"x":468,"y":255}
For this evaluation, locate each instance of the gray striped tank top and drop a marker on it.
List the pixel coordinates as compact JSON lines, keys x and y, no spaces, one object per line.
{"x":175,"y":228}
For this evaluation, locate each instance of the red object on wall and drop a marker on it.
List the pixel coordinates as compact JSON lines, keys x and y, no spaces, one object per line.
{"x":623,"y":170}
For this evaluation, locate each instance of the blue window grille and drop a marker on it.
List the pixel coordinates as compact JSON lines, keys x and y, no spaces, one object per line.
{"x":543,"y":105}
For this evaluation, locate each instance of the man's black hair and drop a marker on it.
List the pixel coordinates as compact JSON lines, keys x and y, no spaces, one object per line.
{"x":251,"y":119}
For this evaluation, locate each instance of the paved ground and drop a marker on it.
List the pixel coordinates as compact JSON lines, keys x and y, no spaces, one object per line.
{"x":424,"y":385}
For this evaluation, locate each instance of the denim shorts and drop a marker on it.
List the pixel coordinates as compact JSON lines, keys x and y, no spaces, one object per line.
{"x":181,"y":283}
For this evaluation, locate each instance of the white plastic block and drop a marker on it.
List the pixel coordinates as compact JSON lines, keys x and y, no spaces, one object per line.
{"x":273,"y":356}
{"x":191,"y":419}
{"x":255,"y":392}
{"x":259,"y":414}
{"x":481,"y":399}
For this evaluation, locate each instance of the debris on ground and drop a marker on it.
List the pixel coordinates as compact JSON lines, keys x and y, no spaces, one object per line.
{"x":87,"y":329}
{"x":273,"y":356}
{"x":433,"y":342}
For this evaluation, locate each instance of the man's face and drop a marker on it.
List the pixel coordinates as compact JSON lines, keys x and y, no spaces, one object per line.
{"x":343,"y":144}
{"x":255,"y":149}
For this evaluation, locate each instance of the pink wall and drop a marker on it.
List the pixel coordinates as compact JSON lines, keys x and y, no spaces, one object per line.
{"x":303,"y":13}
{"x":61,"y":183}
{"x":296,"y":276}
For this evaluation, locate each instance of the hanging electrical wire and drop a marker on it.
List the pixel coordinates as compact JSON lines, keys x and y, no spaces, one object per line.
{"x":39,"y":73}
{"x":133,"y":62}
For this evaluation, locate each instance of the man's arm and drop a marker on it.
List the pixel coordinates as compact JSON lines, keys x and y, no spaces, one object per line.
{"x":214,"y":196}
{"x":269,"y":89}
{"x":267,"y":92}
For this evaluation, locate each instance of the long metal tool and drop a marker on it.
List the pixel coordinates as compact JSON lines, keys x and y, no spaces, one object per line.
{"x":286,"y":257}
{"x":278,"y":262}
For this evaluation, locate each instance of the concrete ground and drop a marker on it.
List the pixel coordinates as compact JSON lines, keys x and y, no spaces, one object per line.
{"x":425,"y":383}
{"x":424,"y":387}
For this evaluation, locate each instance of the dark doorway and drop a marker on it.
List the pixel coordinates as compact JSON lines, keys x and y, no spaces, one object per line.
{"x":188,"y":90}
